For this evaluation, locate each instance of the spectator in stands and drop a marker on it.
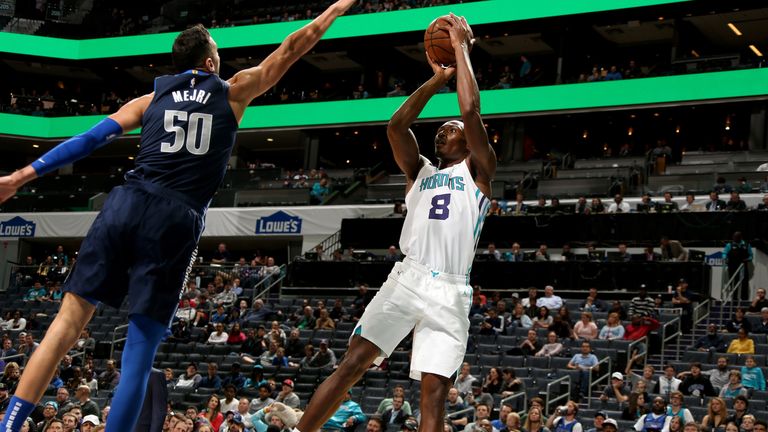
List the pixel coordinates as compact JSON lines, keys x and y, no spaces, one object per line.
{"x":696,"y":384}
{"x":478,"y":395}
{"x":613,"y":74}
{"x":518,"y":319}
{"x":642,"y":305}
{"x":482,"y":413}
{"x":529,"y":303}
{"x":752,"y":375}
{"x":535,"y":420}
{"x":280,"y":359}
{"x":221,"y":255}
{"x":392,"y":255}
{"x":511,"y":384}
{"x":565,"y":419}
{"x":597,"y":305}
{"x":656,"y":420}
{"x":211,"y":381}
{"x":739,"y":321}
{"x":87,"y":406}
{"x":759,"y":302}
{"x":735,"y":203}
{"x":584,"y":362}
{"x":110,"y":378}
{"x":712,"y":341}
{"x":234,"y":377}
{"x":319,"y":191}
{"x":672,"y":250}
{"x":596,"y":206}
{"x":690,"y":204}
{"x":552,"y":347}
{"x":683,"y":298}
{"x":740,"y":409}
{"x":542,"y":254}
{"x":760,"y":426}
{"x":454,"y":404}
{"x":646,"y":204}
{"x":715,"y":203}
{"x":212,"y":412}
{"x":618,"y":308}
{"x":463,"y":381}
{"x":737,"y":253}
{"x":670,"y":205}
{"x":287,"y":396}
{"x":735,"y":387}
{"x":561,"y":324}
{"x":762,"y":325}
{"x":235,"y":336}
{"x":668,"y":383}
{"x":493,"y":324}
{"x":748,"y":423}
{"x":623,"y":255}
{"x":385,"y":404}
{"x":612,"y":330}
{"x":494,"y":209}
{"x":324,"y":322}
{"x":395,"y":415}
{"x":8,"y":350}
{"x":719,"y":376}
{"x":642,"y":383}
{"x":676,"y":408}
{"x":721,"y":186}
{"x":618,"y":206}
{"x":519,"y":207}
{"x":636,"y":408}
{"x":764,"y":205}
{"x":347,"y":416}
{"x":550,"y":300}
{"x":585,"y":328}
{"x":324,"y":357}
{"x":186,"y":311}
{"x":598,"y":421}
{"x":650,"y":255}
{"x":269,"y":271}
{"x":227,"y":297}
{"x":542,"y":320}
{"x":743,"y":344}
{"x":638,"y":329}
{"x":493,"y":381}
{"x":218,"y":337}
{"x":493,"y":253}
{"x":529,"y":346}
{"x":617,"y":389}
{"x":36,"y":293}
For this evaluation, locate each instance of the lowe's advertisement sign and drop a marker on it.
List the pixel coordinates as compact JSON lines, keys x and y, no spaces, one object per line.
{"x":278,"y":223}
{"x":17,"y":227}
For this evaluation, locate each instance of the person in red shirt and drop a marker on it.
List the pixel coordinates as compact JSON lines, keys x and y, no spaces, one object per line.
{"x":637,"y":329}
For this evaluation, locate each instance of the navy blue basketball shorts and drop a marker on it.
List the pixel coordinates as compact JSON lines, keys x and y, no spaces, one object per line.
{"x":142,"y":246}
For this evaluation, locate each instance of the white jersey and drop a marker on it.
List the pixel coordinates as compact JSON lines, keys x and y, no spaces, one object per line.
{"x":446,"y":211}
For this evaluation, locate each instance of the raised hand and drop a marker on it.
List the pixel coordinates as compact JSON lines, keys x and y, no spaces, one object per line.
{"x":344,"y":5}
{"x":460,"y":32}
{"x":445,"y":73}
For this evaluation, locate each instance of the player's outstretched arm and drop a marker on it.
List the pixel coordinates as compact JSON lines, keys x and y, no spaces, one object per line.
{"x":124,"y":120}
{"x":248,"y":84}
{"x":401,"y":138}
{"x":483,"y":158}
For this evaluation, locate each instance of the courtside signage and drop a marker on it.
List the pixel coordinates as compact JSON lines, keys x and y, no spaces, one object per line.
{"x":17,"y":227}
{"x":278,"y":223}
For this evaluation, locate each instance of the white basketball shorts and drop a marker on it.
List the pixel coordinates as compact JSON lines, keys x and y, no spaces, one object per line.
{"x":434,"y":305}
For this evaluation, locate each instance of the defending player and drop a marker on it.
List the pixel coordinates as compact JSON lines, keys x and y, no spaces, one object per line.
{"x":144,"y":240}
{"x":428,"y":292}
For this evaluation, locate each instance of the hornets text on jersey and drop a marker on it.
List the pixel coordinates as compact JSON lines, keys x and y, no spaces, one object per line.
{"x":187,"y":136}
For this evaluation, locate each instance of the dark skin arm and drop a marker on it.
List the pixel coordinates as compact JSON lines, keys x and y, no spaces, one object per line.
{"x":482,"y":157}
{"x":401,"y":138}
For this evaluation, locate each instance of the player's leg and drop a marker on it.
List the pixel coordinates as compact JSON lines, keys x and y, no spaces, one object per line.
{"x":327,"y":398}
{"x":389,"y":317}
{"x":144,"y":336}
{"x":74,"y":314}
{"x":434,"y":391}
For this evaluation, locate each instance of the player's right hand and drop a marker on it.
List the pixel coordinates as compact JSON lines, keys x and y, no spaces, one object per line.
{"x":344,"y":5}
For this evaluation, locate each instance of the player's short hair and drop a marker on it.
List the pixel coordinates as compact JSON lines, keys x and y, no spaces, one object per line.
{"x":191,"y":48}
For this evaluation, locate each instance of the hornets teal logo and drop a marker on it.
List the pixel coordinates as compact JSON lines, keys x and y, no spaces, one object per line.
{"x":439,"y":180}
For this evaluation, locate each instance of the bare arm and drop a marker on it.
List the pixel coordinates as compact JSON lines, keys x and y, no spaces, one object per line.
{"x":128,"y":118}
{"x":401,"y":138}
{"x":482,"y":156}
{"x":247,"y":84}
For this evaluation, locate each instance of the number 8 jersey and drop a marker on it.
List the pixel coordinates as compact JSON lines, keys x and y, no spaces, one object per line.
{"x":446,"y":211}
{"x":187,"y":136}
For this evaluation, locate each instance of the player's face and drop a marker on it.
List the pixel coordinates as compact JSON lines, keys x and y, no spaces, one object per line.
{"x":450,"y":144}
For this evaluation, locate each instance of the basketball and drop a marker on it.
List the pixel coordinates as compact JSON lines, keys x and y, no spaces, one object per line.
{"x":437,"y":42}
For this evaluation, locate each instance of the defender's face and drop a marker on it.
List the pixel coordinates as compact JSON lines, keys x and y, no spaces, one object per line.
{"x":450,"y":144}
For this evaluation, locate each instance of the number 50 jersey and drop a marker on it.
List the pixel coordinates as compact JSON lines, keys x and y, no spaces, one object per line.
{"x":446,"y":211}
{"x":187,"y":135}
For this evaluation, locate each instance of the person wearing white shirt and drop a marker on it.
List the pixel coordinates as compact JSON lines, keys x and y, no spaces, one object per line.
{"x":219,"y":336}
{"x":550,"y":300}
{"x":618,"y":206}
{"x":668,"y":383}
{"x":186,"y":312}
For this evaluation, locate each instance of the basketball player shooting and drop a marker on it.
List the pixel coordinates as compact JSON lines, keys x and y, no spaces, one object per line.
{"x":429,"y":291}
{"x":144,"y":241}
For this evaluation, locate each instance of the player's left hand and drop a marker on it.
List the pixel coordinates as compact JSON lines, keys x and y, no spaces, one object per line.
{"x":460,"y":32}
{"x":8,"y":187}
{"x":445,"y":73}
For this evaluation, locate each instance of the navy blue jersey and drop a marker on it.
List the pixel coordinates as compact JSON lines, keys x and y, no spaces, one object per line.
{"x":187,"y":136}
